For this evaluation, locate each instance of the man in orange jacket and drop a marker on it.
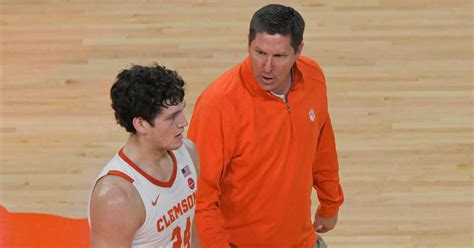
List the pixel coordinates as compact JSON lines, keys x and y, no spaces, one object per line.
{"x":265,"y":140}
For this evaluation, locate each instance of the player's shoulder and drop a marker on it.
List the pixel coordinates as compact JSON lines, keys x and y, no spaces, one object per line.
{"x":192,"y":150}
{"x":115,"y":191}
{"x":115,"y":201}
{"x":189,"y":145}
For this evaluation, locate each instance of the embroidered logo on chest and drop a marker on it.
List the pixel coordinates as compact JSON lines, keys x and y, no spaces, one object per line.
{"x":312,"y":115}
{"x":191,"y":183}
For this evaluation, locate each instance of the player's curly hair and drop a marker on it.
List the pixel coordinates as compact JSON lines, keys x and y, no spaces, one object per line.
{"x":278,"y":19}
{"x":143,"y":91}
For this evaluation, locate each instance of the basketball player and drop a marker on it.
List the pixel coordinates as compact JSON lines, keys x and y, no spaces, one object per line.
{"x":265,"y":139}
{"x":145,"y":196}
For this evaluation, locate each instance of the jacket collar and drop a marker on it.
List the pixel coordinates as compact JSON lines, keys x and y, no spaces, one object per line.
{"x":254,"y":88}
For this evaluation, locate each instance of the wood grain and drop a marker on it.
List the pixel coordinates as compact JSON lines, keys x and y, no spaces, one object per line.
{"x":399,"y":79}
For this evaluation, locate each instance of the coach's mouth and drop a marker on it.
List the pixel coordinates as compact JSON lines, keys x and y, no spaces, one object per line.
{"x":268,"y":80}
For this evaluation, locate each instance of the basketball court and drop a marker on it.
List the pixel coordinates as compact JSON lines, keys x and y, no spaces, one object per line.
{"x":400,"y":88}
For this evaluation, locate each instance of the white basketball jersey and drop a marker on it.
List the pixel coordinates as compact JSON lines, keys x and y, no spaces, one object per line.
{"x":169,"y":205}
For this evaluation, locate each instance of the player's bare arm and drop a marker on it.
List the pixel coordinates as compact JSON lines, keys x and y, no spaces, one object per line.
{"x":116,"y":212}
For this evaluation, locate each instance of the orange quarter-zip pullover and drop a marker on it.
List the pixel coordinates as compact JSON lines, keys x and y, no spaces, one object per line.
{"x":261,"y":157}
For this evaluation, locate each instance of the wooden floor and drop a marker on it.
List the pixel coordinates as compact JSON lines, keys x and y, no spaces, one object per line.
{"x":399,"y":79}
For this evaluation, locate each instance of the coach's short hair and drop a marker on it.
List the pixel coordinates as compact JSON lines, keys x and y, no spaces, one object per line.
{"x":278,"y":19}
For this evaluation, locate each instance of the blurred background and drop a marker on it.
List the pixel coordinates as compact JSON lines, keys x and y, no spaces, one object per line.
{"x":400,"y":87}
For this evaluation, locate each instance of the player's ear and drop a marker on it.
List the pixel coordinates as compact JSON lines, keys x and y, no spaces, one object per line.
{"x":140,"y":125}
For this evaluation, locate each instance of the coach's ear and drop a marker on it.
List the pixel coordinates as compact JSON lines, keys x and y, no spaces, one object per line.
{"x":140,"y":125}
{"x":300,"y":49}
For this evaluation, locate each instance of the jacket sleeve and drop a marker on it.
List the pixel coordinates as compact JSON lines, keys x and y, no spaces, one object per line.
{"x":326,"y":172}
{"x":210,"y":130}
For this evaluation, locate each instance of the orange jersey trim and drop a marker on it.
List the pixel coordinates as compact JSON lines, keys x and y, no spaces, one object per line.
{"x":153,"y":180}
{"x":120,"y":174}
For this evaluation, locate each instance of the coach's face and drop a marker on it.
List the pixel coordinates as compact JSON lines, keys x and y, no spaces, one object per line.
{"x":272,"y":58}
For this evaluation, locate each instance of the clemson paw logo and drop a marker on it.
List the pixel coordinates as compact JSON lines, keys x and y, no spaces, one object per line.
{"x":191,"y":183}
{"x":312,"y":115}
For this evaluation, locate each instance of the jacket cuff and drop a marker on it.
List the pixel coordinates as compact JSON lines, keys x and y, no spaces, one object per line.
{"x":327,"y":211}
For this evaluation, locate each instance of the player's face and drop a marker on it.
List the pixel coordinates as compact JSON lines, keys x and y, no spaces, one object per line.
{"x":272,"y":58}
{"x":169,"y":127}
